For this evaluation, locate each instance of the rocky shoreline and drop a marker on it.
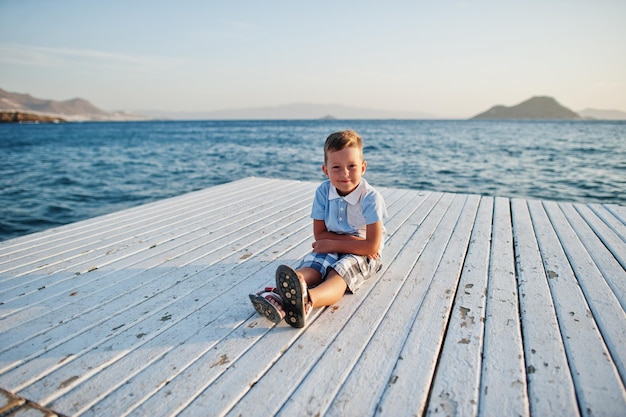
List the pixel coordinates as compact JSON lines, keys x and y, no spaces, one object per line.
{"x":20,"y":117}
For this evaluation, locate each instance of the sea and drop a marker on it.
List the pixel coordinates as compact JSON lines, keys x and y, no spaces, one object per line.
{"x":54,"y":174}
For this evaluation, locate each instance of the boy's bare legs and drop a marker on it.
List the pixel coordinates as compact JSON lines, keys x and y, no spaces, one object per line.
{"x":325,"y":293}
{"x":311,"y":276}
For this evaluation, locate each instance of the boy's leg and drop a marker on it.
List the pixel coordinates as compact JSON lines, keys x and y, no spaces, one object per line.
{"x":328,"y":292}
{"x":311,"y":276}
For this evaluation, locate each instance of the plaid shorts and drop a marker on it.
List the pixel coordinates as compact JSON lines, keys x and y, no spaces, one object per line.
{"x":354,"y":269}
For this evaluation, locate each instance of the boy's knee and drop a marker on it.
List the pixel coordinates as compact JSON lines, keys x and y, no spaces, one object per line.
{"x":310,"y":275}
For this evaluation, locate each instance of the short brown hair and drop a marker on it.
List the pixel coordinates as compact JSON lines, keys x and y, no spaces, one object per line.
{"x":340,"y":140}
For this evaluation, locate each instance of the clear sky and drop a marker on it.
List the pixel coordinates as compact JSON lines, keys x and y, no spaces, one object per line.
{"x":448,"y":58}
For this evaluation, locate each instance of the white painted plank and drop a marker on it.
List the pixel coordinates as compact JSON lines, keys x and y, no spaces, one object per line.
{"x":598,"y":386}
{"x":210,"y":363}
{"x":610,"y":219}
{"x":503,"y":378}
{"x":456,"y":383}
{"x":115,"y":254}
{"x":550,"y":386}
{"x":616,"y":245}
{"x":618,"y":211}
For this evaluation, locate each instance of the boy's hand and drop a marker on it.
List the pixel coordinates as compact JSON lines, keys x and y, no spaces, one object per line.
{"x":323,"y":246}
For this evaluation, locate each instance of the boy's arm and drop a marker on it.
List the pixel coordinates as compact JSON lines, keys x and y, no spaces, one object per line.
{"x":320,"y":232}
{"x":326,"y":241}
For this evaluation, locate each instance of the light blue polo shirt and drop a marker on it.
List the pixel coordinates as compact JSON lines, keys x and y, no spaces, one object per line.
{"x":349,"y":215}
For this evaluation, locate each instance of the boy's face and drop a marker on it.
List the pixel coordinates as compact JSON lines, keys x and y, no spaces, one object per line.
{"x":344,"y":168}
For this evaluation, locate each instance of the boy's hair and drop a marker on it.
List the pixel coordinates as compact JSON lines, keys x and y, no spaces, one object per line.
{"x":340,"y":140}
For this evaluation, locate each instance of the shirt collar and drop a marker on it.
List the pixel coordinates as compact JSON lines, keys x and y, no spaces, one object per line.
{"x":351,"y":198}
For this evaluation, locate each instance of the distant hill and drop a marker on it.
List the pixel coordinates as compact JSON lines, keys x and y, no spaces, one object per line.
{"x":539,"y":107}
{"x":603,"y":114}
{"x":19,"y":117}
{"x":293,"y":111}
{"x":76,"y":109}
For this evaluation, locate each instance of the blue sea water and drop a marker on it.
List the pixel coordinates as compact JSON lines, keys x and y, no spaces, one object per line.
{"x":53,"y":174}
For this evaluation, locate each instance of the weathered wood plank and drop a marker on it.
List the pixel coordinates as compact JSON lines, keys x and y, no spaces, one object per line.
{"x":456,"y":384}
{"x":611,"y":219}
{"x":618,"y":211}
{"x":550,"y":385}
{"x":613,"y":243}
{"x":503,"y":379}
{"x":612,"y":271}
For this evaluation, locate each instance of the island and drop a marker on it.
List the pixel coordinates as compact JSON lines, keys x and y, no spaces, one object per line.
{"x":539,"y":107}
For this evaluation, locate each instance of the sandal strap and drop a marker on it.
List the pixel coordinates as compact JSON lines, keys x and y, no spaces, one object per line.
{"x":271,"y":292}
{"x":268,"y":289}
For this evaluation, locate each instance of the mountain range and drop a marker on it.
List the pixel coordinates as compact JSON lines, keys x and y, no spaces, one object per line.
{"x":78,"y":109}
{"x":293,"y":111}
{"x":601,"y":114}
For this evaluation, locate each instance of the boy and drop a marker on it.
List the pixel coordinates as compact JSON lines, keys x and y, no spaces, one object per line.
{"x":348,"y":229}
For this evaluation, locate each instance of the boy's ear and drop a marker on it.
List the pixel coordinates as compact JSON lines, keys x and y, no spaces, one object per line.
{"x":325,"y":170}
{"x":364,"y":167}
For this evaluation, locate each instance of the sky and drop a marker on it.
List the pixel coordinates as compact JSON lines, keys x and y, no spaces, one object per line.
{"x":446,"y":58}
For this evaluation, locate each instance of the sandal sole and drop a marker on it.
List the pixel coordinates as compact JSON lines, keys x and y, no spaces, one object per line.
{"x":265,"y":308}
{"x":290,"y":289}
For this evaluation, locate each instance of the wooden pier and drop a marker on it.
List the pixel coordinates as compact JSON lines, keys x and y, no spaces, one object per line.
{"x":485,"y":307}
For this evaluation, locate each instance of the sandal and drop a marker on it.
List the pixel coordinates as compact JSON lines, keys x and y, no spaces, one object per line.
{"x":294,"y":293}
{"x":269,"y":304}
